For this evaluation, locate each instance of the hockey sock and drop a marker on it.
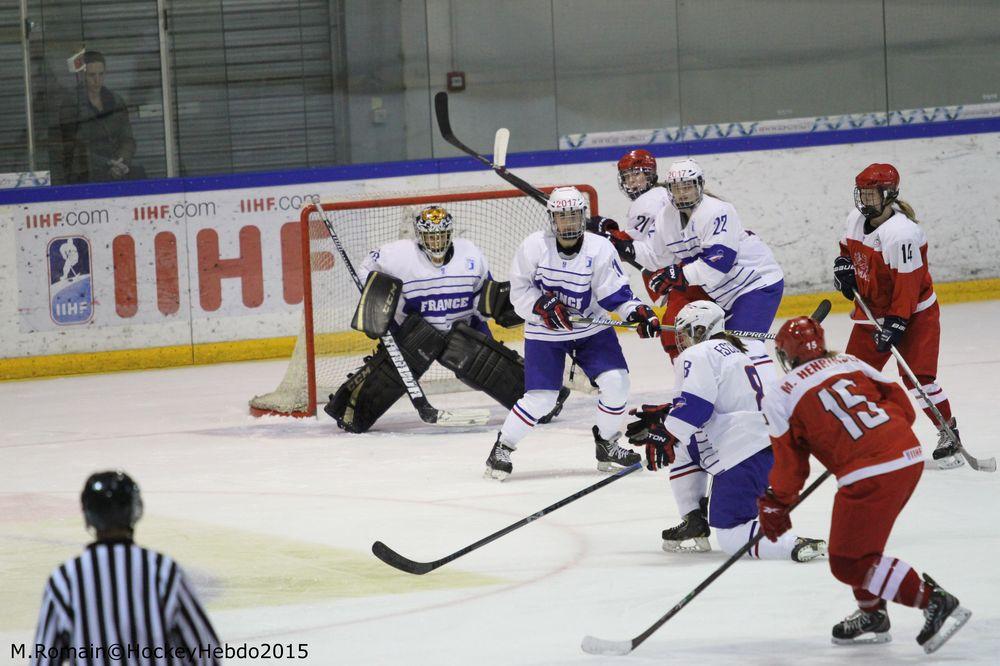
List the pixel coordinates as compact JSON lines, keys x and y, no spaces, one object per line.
{"x":524,"y":415}
{"x":614,"y":386}
{"x":936,"y":395}
{"x":688,"y":482}
{"x":893,"y":579}
{"x":731,"y":539}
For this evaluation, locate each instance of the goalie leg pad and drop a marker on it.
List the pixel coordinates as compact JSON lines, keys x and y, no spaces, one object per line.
{"x":370,"y":391}
{"x":484,"y":364}
{"x":377,"y":305}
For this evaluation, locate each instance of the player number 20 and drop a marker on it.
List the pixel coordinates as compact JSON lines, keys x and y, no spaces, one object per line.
{"x":855,"y":421}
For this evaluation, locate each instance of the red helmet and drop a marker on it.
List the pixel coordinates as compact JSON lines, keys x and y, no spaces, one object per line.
{"x":636,"y":161}
{"x":881,"y":177}
{"x":799,"y":340}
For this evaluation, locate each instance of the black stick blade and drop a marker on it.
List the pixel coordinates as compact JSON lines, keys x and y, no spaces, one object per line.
{"x":397,"y":561}
{"x":441,"y":111}
{"x":822,"y":310}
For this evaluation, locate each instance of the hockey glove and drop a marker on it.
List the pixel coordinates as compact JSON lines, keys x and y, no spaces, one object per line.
{"x":665,"y":279}
{"x":624,"y":245}
{"x":650,"y":432}
{"x":648,"y":322}
{"x":553,"y":312}
{"x":773,"y":515}
{"x":843,"y":277}
{"x":603,"y":226}
{"x":890,"y":334}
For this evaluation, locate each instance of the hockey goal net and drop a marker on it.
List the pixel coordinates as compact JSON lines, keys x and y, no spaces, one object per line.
{"x":327,"y":349}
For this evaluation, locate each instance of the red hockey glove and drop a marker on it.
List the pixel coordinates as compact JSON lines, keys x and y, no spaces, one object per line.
{"x":649,"y":323}
{"x":890,"y":334}
{"x":665,"y":279}
{"x":773,"y":515}
{"x":553,"y":312}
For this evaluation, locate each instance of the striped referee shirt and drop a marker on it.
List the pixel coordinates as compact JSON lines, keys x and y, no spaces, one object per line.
{"x":119,"y":594}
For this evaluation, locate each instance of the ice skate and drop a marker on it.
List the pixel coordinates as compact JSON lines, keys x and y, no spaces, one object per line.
{"x":806,"y":550}
{"x":610,"y":456}
{"x":498,"y":465}
{"x":863,"y":628}
{"x":946,"y":455}
{"x":942,"y":618}
{"x":563,"y":394}
{"x":693,"y":529}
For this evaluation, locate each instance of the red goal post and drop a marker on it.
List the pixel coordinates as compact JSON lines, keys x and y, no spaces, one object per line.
{"x":327,"y":349}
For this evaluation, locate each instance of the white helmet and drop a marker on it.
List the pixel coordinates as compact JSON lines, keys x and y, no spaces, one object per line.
{"x":433,"y":228}
{"x":567,"y":213}
{"x":698,"y":321}
{"x":685,"y":182}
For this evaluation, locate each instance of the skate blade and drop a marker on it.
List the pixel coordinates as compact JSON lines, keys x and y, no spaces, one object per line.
{"x":870,"y":638}
{"x":699,"y":545}
{"x":946,"y":463}
{"x":495,"y":474}
{"x":951,"y":625}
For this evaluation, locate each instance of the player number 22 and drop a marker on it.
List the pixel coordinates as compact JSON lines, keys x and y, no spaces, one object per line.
{"x":855,"y":421}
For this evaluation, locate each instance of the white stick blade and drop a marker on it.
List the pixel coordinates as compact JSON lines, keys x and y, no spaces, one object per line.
{"x":500,"y":142}
{"x":467,"y":417}
{"x":594,"y":645}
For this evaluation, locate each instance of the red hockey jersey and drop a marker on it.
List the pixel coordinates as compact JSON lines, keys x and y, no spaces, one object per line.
{"x":890,"y":265}
{"x":852,"y":418}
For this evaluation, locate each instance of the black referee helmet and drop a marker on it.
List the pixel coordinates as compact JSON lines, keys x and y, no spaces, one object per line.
{"x":111,"y":501}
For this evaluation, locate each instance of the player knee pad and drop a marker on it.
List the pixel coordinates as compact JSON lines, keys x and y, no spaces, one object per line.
{"x":614,"y":386}
{"x":731,"y":539}
{"x":538,"y":403}
{"x":484,"y":364}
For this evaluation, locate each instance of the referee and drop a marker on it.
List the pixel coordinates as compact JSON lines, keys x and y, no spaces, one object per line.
{"x":119,"y":603}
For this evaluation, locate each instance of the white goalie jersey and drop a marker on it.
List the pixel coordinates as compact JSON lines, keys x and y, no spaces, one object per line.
{"x":442,"y":295}
{"x":720,"y":394}
{"x":717,"y":253}
{"x":591,"y":282}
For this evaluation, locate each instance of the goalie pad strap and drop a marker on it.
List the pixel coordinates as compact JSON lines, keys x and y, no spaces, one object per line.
{"x":371,"y":390}
{"x":484,"y":364}
{"x":494,"y":301}
{"x":377,"y":305}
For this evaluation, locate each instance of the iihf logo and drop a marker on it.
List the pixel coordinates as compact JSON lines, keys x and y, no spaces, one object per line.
{"x":71,"y":293}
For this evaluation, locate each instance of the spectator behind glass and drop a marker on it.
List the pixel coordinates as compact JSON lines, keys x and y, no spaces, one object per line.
{"x":96,"y":130}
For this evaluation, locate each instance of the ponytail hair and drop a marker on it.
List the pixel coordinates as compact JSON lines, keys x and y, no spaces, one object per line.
{"x":907,"y":210}
{"x":732,"y":339}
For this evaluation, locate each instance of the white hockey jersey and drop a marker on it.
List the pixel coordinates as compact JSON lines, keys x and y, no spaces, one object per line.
{"x":640,"y":223}
{"x":440,"y":294}
{"x":721,"y":394}
{"x":717,"y":253}
{"x":590,"y":282}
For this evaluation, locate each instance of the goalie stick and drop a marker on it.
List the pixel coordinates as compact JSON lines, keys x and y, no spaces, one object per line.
{"x":394,"y":559}
{"x":427,"y":412}
{"x":978,"y":464}
{"x":593,"y":645}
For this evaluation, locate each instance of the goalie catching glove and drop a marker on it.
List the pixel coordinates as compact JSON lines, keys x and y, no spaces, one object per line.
{"x":648,"y":322}
{"x":649,"y":431}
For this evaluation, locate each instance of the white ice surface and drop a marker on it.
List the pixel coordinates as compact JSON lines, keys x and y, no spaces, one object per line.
{"x":593,"y":567}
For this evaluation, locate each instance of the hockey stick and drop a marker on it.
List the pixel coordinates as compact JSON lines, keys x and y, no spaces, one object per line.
{"x":500,"y":142}
{"x":394,"y":559}
{"x":427,"y":412}
{"x":593,"y":645}
{"x":444,"y":125}
{"x":978,"y":464}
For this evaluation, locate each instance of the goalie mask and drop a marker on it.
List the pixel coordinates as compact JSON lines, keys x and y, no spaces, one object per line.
{"x":567,"y":214}
{"x":875,"y":188}
{"x":685,"y":182}
{"x":433,"y":229}
{"x":636,"y":173}
{"x":698,"y":321}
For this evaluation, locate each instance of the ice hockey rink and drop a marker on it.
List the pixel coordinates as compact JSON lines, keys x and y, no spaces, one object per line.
{"x":274,"y":519}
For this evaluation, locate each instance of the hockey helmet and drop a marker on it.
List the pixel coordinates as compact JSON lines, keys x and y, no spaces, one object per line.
{"x":567,"y":209}
{"x":698,"y":321}
{"x":685,"y":182}
{"x":111,"y":500}
{"x":875,"y":187}
{"x":433,"y":227}
{"x":799,"y":341}
{"x":636,"y":173}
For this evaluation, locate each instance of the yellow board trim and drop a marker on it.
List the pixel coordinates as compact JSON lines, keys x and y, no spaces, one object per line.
{"x":353,"y":342}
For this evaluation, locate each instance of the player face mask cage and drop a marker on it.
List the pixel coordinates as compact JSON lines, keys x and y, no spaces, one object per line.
{"x":698,"y":321}
{"x":567,"y":213}
{"x":686,"y":184}
{"x":875,"y":188}
{"x":433,"y":227}
{"x":636,"y":173}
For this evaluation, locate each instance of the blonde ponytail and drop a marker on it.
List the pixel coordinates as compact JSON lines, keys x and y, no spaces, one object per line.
{"x":907,"y":210}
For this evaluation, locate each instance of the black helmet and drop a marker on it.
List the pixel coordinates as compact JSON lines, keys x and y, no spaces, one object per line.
{"x":111,"y":501}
